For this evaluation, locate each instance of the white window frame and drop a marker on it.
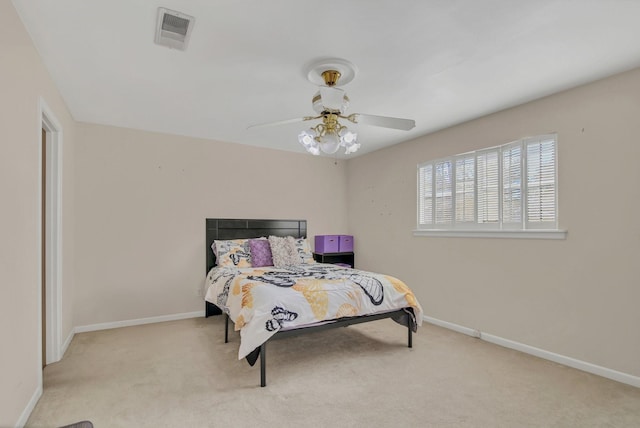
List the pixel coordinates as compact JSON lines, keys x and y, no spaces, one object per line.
{"x":495,"y":228}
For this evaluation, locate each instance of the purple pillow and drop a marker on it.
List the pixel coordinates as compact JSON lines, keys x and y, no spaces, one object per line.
{"x":260,"y":253}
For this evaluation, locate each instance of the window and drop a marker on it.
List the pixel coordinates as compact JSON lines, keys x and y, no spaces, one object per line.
{"x":512,"y":187}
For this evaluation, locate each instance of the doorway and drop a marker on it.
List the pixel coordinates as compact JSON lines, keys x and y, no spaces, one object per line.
{"x":51,"y":234}
{"x":43,"y":244}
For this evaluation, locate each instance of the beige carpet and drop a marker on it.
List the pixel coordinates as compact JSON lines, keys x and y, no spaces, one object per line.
{"x":181,"y":374}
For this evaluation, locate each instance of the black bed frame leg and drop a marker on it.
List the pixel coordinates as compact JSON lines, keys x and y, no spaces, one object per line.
{"x":226,"y":328}
{"x":263,"y":365}
{"x":410,"y":336}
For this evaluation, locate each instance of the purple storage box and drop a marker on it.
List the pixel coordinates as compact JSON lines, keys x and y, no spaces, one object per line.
{"x":327,"y":244}
{"x":345,"y":243}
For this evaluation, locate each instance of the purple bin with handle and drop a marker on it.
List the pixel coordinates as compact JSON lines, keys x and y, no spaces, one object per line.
{"x":327,"y":244}
{"x":345,"y":243}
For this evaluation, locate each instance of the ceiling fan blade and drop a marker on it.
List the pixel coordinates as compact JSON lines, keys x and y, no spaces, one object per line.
{"x":281,"y":122}
{"x":383,"y":121}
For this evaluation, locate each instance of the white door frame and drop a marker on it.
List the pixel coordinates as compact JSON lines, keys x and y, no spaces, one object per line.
{"x":53,"y":227}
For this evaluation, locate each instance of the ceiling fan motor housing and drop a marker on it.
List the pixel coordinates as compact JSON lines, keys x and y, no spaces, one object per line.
{"x":330,"y":99}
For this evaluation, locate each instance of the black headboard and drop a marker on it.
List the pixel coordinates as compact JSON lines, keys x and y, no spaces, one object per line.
{"x":231,"y":228}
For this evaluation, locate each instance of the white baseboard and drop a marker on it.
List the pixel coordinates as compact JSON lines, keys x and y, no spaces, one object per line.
{"x":67,"y":342}
{"x":541,"y":353}
{"x":451,"y":326}
{"x":139,"y":321}
{"x":24,"y":417}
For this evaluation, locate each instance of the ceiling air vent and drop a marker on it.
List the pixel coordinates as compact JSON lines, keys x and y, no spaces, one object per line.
{"x":173,"y":29}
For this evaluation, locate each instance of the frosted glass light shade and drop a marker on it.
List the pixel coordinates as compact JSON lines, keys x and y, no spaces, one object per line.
{"x":348,"y":137}
{"x":330,"y":143}
{"x":352,"y":148}
{"x":307,"y":139}
{"x":348,"y":140}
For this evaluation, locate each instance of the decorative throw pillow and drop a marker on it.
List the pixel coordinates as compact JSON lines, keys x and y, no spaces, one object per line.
{"x":304,"y":250}
{"x":234,"y":252}
{"x":284,"y":251}
{"x":260,"y":251}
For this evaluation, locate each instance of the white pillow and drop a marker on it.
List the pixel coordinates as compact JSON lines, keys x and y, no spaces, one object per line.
{"x":283,"y":251}
{"x":304,"y":250}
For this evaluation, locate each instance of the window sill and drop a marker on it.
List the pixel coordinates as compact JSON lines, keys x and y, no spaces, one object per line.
{"x":516,"y":234}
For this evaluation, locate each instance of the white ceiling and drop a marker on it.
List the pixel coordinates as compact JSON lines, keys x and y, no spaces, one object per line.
{"x":439,"y":62}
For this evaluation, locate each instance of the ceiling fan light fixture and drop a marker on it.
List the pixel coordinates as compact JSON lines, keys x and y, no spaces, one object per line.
{"x":351,"y":148}
{"x":328,"y":137}
{"x":348,"y":141}
{"x":330,"y":142}
{"x":348,"y":137}
{"x":308,"y":140}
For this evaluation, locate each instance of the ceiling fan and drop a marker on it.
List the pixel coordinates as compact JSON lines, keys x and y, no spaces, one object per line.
{"x":330,"y":103}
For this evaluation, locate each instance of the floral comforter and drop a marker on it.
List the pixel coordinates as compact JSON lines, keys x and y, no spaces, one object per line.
{"x":262,"y":301}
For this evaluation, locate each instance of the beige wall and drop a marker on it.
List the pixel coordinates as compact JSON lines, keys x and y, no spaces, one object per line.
{"x":141,"y":203}
{"x":23,"y":80}
{"x":576,"y":297}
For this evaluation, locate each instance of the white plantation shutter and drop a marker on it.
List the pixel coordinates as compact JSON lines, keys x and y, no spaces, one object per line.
{"x":512,"y":185}
{"x":488,"y":187}
{"x":443,"y":186}
{"x":425,"y":192}
{"x":509,"y":187}
{"x":465,"y":189}
{"x":541,"y":182}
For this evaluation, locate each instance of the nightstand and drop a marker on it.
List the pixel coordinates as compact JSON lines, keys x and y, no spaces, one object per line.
{"x":345,"y":258}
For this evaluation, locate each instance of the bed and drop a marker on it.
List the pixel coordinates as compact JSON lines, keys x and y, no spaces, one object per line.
{"x":267,"y":302}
